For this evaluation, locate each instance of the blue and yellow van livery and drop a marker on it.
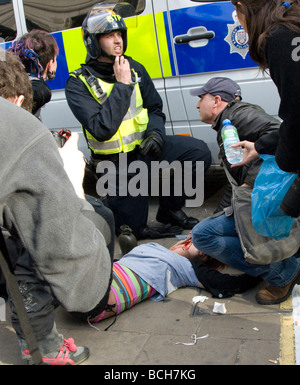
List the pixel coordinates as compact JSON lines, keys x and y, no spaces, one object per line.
{"x":152,"y":41}
{"x":182,"y":43}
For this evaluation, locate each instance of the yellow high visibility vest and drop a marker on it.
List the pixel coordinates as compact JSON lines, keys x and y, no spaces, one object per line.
{"x":132,"y":129}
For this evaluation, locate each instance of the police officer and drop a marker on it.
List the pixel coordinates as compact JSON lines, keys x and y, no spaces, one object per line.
{"x":115,"y":100}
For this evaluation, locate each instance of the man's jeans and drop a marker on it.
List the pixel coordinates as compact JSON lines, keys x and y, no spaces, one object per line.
{"x":218,"y":238}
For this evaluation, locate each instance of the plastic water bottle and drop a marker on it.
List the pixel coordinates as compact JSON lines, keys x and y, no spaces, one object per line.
{"x":230,"y":136}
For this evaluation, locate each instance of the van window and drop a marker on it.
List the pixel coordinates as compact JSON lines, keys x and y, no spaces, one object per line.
{"x":59,"y":15}
{"x":8,"y":30}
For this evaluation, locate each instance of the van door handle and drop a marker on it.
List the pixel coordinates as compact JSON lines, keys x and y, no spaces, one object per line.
{"x":185,"y":39}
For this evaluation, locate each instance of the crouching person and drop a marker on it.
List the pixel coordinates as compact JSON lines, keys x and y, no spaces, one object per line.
{"x":63,"y":257}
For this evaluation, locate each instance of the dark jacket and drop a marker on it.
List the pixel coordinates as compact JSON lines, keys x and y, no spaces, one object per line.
{"x":283,"y":57}
{"x":103,"y":121}
{"x":253,"y":124}
{"x":41,"y":94}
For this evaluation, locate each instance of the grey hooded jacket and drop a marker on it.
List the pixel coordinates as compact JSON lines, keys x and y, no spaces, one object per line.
{"x":38,"y":204}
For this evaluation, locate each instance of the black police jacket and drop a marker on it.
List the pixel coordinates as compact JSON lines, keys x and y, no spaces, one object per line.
{"x":103,"y":120}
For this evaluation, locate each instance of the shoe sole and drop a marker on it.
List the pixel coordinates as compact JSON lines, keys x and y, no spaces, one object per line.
{"x":58,"y":362}
{"x":277,"y":301}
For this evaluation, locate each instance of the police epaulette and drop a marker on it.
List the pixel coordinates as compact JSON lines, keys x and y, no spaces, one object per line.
{"x":76,"y":72}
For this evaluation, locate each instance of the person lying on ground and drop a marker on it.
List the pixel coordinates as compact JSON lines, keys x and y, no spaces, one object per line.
{"x":153,"y":271}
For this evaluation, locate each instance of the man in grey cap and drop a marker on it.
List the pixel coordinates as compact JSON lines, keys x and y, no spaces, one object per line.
{"x":222,"y":236}
{"x":220,"y":99}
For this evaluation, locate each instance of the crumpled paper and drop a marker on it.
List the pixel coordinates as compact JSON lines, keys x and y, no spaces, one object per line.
{"x":219,"y":308}
{"x":199,"y":298}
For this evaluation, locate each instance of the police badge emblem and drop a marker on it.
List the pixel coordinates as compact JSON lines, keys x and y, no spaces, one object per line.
{"x":237,"y":37}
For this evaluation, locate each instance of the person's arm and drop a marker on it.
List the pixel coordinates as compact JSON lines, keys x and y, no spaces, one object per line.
{"x":282,"y":54}
{"x":222,"y":285}
{"x":258,"y":132}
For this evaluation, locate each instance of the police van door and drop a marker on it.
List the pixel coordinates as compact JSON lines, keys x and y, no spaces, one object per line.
{"x":206,"y":40}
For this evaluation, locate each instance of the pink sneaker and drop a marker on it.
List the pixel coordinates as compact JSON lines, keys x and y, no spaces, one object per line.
{"x":69,"y":354}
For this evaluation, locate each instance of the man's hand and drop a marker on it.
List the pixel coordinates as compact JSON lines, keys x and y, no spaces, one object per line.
{"x":74,"y":163}
{"x":122,"y":70}
{"x":249,"y":152}
{"x":152,"y":145}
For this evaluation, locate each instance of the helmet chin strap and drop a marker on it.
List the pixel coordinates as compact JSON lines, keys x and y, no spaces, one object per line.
{"x":111,"y":57}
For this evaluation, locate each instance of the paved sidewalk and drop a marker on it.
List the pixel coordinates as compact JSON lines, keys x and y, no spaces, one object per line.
{"x":149,"y":333}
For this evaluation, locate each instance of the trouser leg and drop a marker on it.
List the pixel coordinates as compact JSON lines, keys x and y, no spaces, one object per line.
{"x":38,"y":302}
{"x":108,"y":215}
{"x":129,"y":208}
{"x":14,"y":248}
{"x":131,"y":211}
{"x":217,"y":237}
{"x":183,"y":149}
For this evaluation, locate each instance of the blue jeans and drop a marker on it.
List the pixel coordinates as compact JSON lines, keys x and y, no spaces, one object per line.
{"x":217,"y":237}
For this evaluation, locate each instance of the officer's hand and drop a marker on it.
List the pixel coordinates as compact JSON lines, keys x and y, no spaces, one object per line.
{"x":122,"y":70}
{"x":152,"y":145}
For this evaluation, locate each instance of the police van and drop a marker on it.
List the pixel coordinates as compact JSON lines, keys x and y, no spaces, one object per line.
{"x":182,"y":44}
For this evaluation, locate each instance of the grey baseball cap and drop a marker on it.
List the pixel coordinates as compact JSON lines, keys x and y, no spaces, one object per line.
{"x":224,"y":87}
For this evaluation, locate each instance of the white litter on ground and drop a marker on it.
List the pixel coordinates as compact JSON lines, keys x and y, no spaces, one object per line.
{"x":220,"y":308}
{"x":199,"y":298}
{"x":195,"y":338}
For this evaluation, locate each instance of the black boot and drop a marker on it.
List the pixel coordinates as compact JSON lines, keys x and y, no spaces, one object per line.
{"x":167,"y":231}
{"x":176,"y":217}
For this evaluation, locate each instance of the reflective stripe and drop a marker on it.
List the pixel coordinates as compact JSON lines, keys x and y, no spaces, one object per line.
{"x":117,"y":143}
{"x":134,"y":110}
{"x":103,"y":146}
{"x":135,"y":136}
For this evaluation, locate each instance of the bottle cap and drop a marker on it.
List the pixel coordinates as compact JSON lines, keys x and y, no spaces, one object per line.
{"x":226,"y":122}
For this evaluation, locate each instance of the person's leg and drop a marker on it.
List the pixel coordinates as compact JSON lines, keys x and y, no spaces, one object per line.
{"x":108,"y":215}
{"x":126,"y":290}
{"x":185,"y":150}
{"x":127,"y":209}
{"x":130,"y":211}
{"x":218,"y":238}
{"x":39,"y":304}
